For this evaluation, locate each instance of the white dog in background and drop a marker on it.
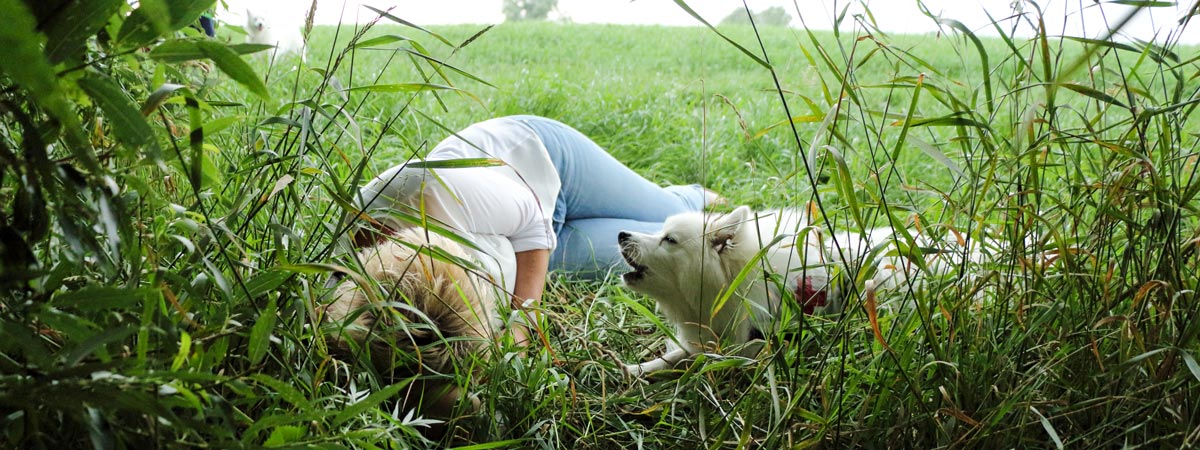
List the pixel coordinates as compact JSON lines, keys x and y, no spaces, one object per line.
{"x":691,"y":267}
{"x":287,"y":39}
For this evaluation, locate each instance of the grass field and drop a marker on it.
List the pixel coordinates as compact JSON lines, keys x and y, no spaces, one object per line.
{"x":187,"y":318}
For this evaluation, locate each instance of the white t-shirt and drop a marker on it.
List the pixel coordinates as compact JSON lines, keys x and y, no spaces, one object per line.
{"x":501,"y":209}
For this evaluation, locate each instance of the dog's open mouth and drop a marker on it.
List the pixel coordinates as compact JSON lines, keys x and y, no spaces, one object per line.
{"x":637,"y":274}
{"x":639,"y":270}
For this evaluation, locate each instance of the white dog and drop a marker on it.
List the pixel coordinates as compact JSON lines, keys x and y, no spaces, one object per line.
{"x":693,"y":265}
{"x":690,"y":268}
{"x":286,"y":39}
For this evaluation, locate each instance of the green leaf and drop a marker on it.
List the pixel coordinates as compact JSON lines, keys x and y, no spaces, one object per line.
{"x":97,"y":342}
{"x":1093,"y":93}
{"x":438,"y":64}
{"x":158,"y":97}
{"x":101,"y":298}
{"x":646,"y":313}
{"x":370,"y":402}
{"x":145,"y":23}
{"x":312,"y":268}
{"x":745,"y":272}
{"x":180,"y":50}
{"x":154,"y":18}
{"x":177,"y":50}
{"x":233,"y":65}
{"x":1143,"y":3}
{"x":725,"y":363}
{"x":284,"y":434}
{"x":936,"y":154}
{"x":511,"y":443}
{"x":127,"y":122}
{"x":381,"y":40}
{"x":270,"y":421}
{"x":810,"y":118}
{"x":185,"y":349}
{"x":262,"y":283}
{"x":217,"y":125}
{"x":844,"y":182}
{"x":1155,"y":53}
{"x":946,"y":121}
{"x":1008,"y":41}
{"x":1049,"y":428}
{"x":402,"y":87}
{"x":247,"y":48}
{"x":1191,"y":364}
{"x":280,"y":120}
{"x":69,"y":28}
{"x":985,"y":69}
{"x":284,"y":390}
{"x":22,"y":61}
{"x":456,"y":163}
{"x":1139,"y":358}
{"x":260,"y":333}
{"x":406,"y":23}
{"x":689,"y":10}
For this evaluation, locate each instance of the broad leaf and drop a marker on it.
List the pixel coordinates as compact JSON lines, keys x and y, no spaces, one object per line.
{"x":122,"y":113}
{"x":22,"y":61}
{"x":260,"y":333}
{"x":233,"y":65}
{"x":154,"y":18}
{"x":69,"y":28}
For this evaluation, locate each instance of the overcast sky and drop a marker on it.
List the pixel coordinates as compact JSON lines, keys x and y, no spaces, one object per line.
{"x":1080,"y":17}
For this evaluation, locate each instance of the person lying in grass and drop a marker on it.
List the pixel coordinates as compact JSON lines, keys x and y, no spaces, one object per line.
{"x":553,"y":200}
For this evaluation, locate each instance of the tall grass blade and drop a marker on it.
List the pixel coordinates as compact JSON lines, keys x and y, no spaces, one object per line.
{"x":1048,"y":427}
{"x":985,"y":67}
{"x":406,"y":23}
{"x":937,"y":155}
{"x":688,"y":9}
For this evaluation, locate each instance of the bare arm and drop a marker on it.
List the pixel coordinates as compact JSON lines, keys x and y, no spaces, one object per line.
{"x":531,"y":281}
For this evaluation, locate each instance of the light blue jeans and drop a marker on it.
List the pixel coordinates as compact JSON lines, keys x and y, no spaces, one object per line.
{"x":599,"y":198}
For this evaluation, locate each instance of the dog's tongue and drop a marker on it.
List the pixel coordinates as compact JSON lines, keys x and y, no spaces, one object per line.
{"x":809,"y":297}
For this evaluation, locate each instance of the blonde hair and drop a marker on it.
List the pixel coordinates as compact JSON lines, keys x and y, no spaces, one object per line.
{"x":433,"y":315}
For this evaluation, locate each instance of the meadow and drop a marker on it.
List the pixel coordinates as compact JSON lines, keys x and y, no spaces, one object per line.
{"x":169,"y":296}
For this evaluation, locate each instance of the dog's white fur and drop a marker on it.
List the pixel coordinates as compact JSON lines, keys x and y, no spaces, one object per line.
{"x":693,"y":263}
{"x":426,"y":315}
{"x":287,"y":39}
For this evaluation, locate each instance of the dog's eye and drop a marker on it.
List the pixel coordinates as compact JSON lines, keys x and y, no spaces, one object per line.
{"x":669,"y":240}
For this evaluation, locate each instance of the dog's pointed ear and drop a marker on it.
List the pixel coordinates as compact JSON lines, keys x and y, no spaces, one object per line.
{"x":724,"y":228}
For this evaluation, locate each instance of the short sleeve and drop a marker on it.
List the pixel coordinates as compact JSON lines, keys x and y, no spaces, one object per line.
{"x":484,"y":201}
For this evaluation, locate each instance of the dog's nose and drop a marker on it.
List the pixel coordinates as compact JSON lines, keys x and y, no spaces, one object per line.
{"x":623,"y":236}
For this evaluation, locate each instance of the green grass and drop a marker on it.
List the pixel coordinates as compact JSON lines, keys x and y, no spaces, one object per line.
{"x":196,"y":280}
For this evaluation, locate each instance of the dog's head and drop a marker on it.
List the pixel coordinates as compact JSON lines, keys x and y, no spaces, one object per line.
{"x":254,"y":22}
{"x":695,"y":256}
